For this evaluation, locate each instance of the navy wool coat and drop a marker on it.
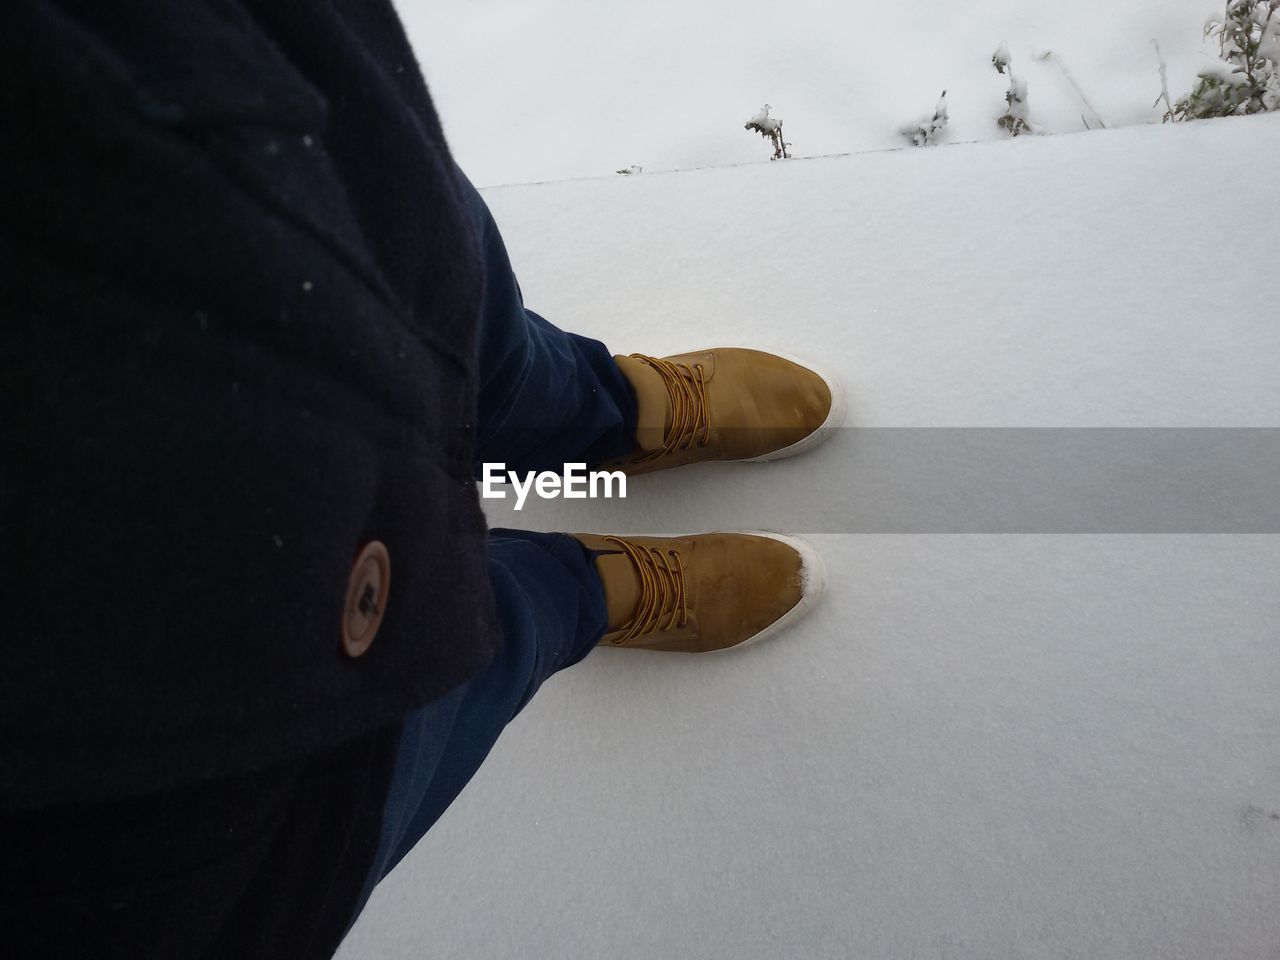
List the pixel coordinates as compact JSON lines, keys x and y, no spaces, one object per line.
{"x":238,"y":298}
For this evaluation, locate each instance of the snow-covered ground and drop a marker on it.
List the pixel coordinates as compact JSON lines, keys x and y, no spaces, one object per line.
{"x":1029,"y":745}
{"x":546,"y":89}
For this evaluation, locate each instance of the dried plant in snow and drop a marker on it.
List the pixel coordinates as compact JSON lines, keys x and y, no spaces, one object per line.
{"x":927,"y":132}
{"x":771,"y":129}
{"x":1015,"y":119}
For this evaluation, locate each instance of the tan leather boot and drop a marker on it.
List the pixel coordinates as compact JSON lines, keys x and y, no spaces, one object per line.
{"x":703,"y":593}
{"x":726,"y":403}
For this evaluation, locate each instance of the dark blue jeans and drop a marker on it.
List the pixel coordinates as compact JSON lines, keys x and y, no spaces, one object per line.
{"x":546,"y":398}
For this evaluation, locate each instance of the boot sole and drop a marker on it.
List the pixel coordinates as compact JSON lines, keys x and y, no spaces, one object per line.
{"x":813,"y":574}
{"x":835,"y":416}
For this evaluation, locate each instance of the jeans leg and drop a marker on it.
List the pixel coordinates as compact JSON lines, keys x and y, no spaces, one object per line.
{"x":546,"y":397}
{"x":552,"y":610}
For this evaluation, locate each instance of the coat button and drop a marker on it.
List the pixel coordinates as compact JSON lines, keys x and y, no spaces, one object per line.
{"x":367,"y":591}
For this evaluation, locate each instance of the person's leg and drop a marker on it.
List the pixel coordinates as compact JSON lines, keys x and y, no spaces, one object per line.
{"x":546,"y":397}
{"x":552,"y":609}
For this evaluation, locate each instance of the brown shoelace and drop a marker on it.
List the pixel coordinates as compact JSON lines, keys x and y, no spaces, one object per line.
{"x":690,"y":419}
{"x":664,"y":598}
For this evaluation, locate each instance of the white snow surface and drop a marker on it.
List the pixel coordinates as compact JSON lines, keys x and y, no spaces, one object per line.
{"x":976,"y":746}
{"x":532,"y":90}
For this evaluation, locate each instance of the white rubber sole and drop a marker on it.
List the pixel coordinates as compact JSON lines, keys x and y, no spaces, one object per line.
{"x":835,"y":417}
{"x":813,"y":578}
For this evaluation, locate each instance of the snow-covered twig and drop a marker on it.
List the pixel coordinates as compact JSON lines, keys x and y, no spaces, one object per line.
{"x":1164,"y":83}
{"x":928,"y":131}
{"x":1015,"y":118}
{"x":771,"y":129}
{"x":1079,"y":91}
{"x":1001,"y":58}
